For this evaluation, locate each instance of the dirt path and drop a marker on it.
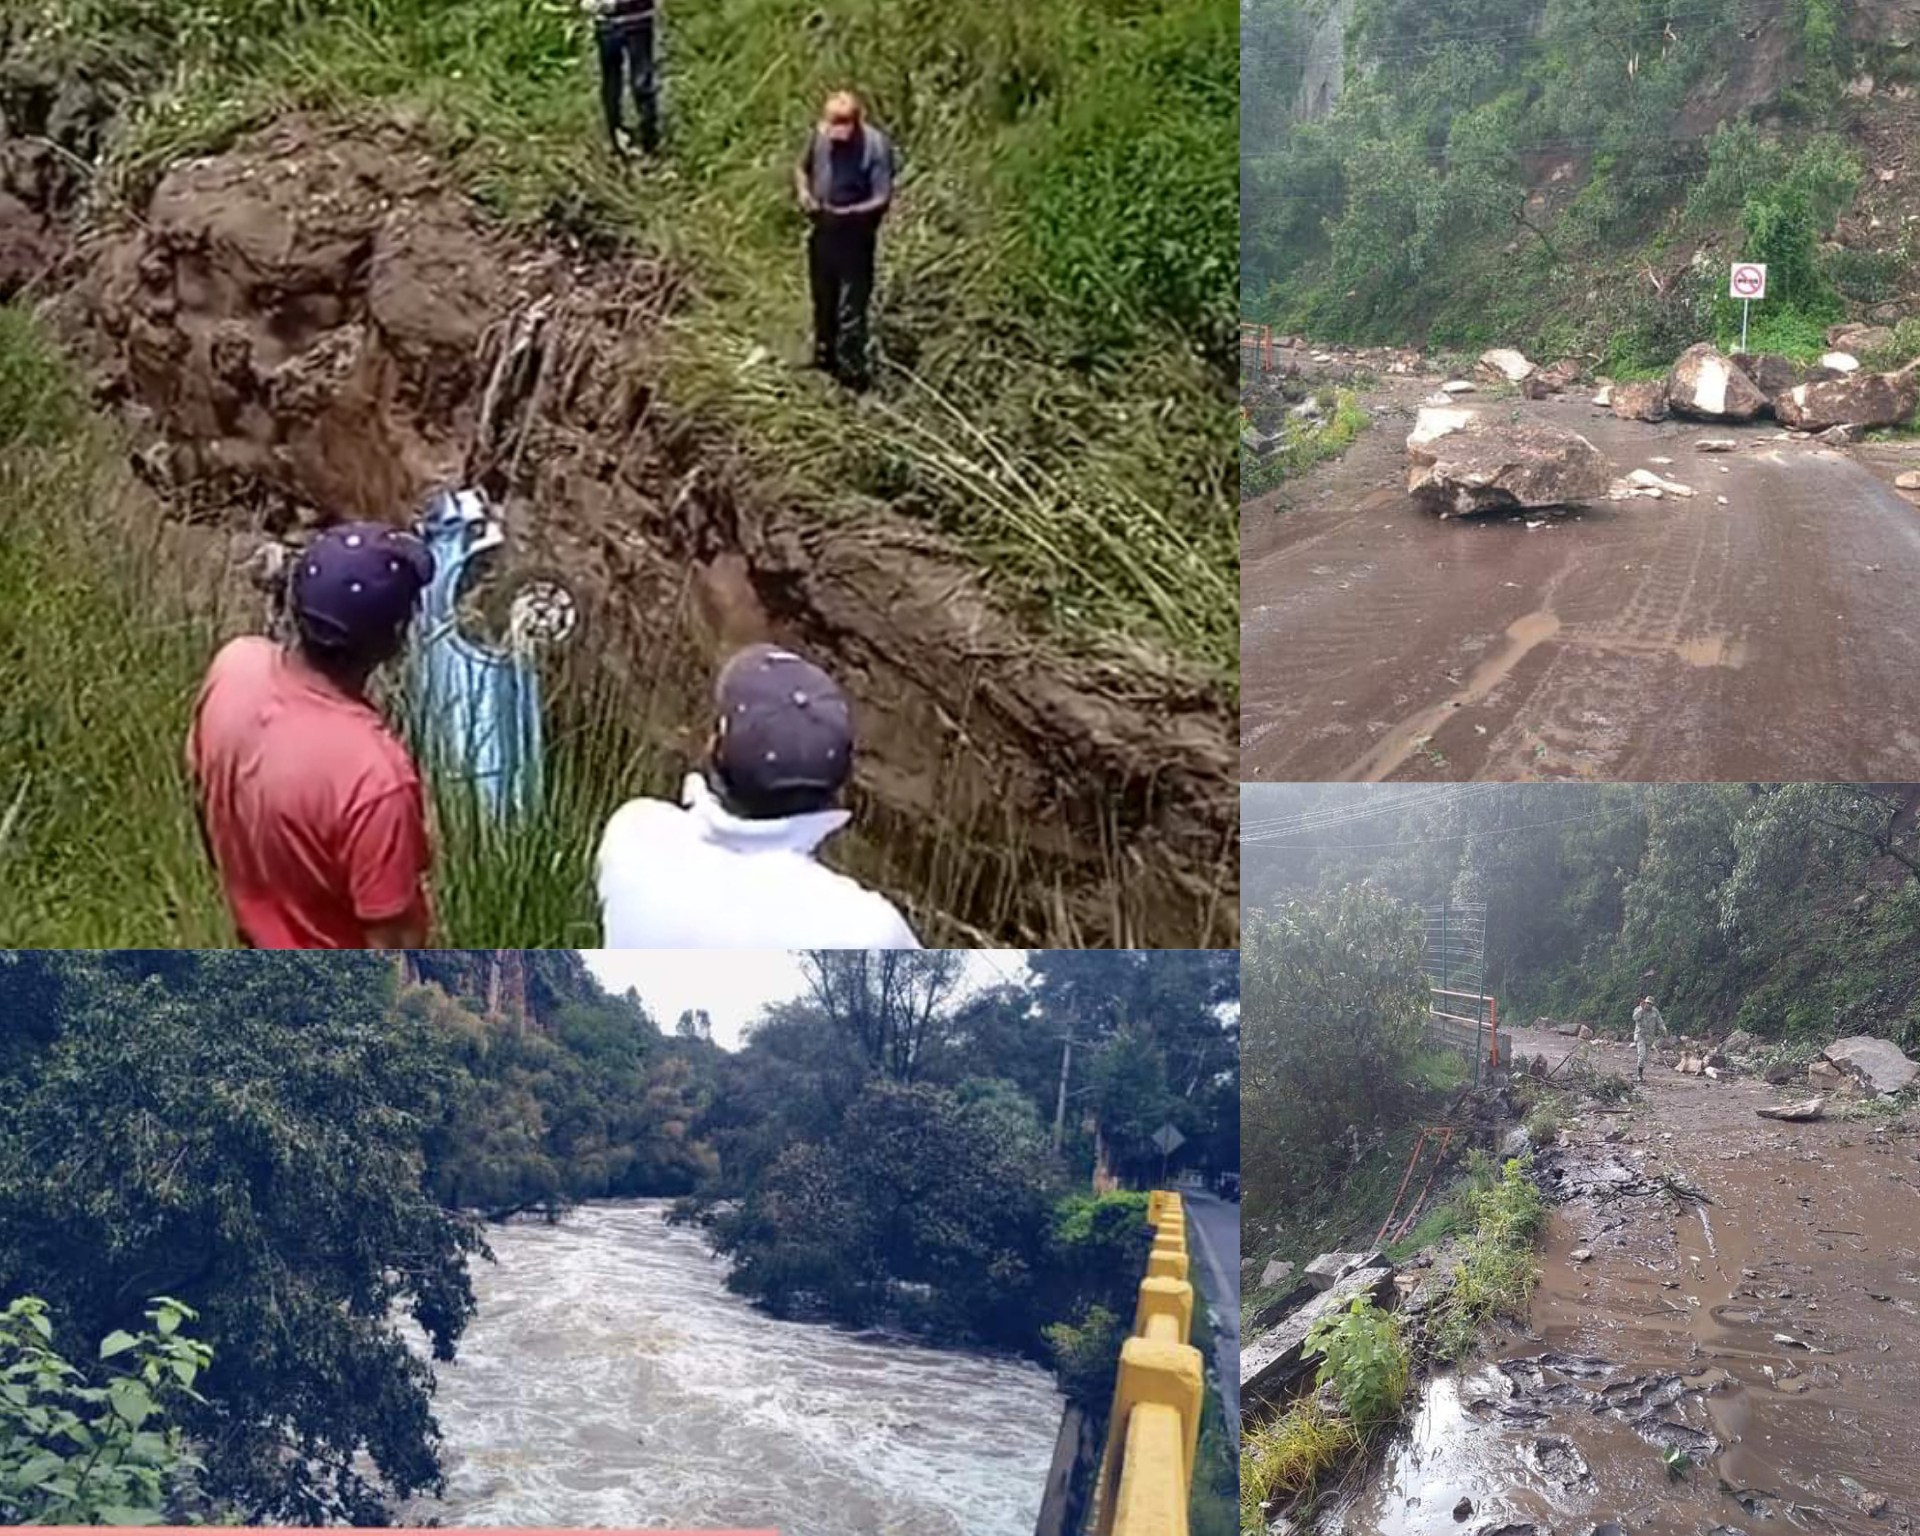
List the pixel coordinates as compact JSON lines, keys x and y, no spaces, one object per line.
{"x":1668,"y":640}
{"x":1668,"y":1335}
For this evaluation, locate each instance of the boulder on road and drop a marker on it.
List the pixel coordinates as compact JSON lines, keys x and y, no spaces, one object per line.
{"x":1459,"y":387}
{"x":1807,"y":1109}
{"x":1554,"y":379}
{"x":1771,"y":373}
{"x":1705,"y":384}
{"x":1459,"y":462}
{"x":1640,"y":402}
{"x":1859,"y":400}
{"x":1715,"y":445}
{"x":1909,"y":481}
{"x":1879,"y":1066}
{"x":1506,"y":362}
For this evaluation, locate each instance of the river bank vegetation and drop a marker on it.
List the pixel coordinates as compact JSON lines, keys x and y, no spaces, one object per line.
{"x":301,"y":1151}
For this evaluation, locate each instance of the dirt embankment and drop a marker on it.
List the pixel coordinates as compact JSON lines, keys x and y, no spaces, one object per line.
{"x":314,"y":325}
{"x":1726,"y":1338}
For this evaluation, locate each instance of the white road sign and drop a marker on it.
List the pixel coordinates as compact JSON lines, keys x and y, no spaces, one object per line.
{"x":1167,"y":1138}
{"x":1749,"y":280}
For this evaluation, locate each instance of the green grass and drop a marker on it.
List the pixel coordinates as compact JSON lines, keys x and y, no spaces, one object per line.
{"x":1497,"y":1276}
{"x":1057,"y":284}
{"x":1288,"y":1455}
{"x":1304,"y":447}
{"x":1212,"y":1494}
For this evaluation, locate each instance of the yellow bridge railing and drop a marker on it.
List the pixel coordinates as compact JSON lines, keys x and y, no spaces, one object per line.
{"x":1147,"y":1470}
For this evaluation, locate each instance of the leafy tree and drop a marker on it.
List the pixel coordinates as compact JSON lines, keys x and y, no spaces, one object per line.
{"x":245,"y":1130}
{"x":886,"y":1001}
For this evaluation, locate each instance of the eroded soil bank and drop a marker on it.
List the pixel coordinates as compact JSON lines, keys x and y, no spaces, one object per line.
{"x":1770,"y":1333}
{"x":313,"y":325}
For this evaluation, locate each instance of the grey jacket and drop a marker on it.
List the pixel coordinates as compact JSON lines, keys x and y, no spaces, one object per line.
{"x":1647,"y":1022}
{"x":878,"y":163}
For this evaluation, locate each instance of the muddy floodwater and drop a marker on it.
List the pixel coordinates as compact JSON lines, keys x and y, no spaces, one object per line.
{"x":611,"y":1380}
{"x":1772,"y":1337}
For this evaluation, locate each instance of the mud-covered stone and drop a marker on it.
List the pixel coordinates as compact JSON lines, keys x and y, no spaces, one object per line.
{"x":1275,"y":1363}
{"x":1643,"y":401}
{"x":1506,"y":362}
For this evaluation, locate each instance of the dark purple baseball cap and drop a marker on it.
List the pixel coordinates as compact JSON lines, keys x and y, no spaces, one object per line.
{"x":355,"y":587}
{"x":784,"y":726}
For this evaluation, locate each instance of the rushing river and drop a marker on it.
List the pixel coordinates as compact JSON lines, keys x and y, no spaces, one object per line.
{"x":611,"y":1379}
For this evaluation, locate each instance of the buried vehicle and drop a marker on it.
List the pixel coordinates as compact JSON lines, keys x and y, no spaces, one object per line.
{"x":474,"y":702}
{"x":472,"y":692}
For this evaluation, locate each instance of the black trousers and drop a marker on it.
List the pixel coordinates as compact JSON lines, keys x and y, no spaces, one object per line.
{"x":626,"y":52}
{"x":840,"y":265}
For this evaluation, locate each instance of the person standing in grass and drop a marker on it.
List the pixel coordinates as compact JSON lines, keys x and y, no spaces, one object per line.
{"x":734,"y":865}
{"x":845,"y":185}
{"x":624,"y":31}
{"x":311,"y":810}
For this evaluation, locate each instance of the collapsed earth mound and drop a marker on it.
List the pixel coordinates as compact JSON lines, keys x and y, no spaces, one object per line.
{"x":313,"y":325}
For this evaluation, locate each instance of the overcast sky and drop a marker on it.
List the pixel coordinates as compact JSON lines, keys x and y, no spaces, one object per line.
{"x":734,"y":985}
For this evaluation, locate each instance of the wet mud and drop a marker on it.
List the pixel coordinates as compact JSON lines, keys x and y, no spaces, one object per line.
{"x":1653,"y":640}
{"x":1768,"y":1333}
{"x":314,"y":324}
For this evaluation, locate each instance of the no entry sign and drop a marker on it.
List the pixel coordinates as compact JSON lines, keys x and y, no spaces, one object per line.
{"x":1749,"y":280}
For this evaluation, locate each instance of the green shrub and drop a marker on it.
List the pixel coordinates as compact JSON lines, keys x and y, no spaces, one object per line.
{"x":1364,"y":1359}
{"x":1086,"y":1357}
{"x":1497,"y":1276}
{"x":93,"y":1447}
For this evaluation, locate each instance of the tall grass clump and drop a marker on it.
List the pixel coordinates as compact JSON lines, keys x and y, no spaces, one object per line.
{"x":1498,"y":1274}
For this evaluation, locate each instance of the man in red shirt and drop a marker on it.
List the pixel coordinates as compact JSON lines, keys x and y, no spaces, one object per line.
{"x":312,"y":810}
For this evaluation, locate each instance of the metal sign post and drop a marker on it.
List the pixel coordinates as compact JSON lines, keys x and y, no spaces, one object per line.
{"x":1166,"y":1139}
{"x":1747,"y":283}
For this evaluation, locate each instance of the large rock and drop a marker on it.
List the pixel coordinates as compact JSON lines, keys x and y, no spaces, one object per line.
{"x":1276,"y":1271}
{"x":1506,"y":362}
{"x":1274,"y":1364}
{"x":1859,"y":339}
{"x":1707,"y":385}
{"x":1858,"y":400}
{"x":1879,"y":1066}
{"x":1771,"y":373}
{"x":1840,"y":362}
{"x":1555,"y":379}
{"x":1331,"y":1268}
{"x":1646,"y":401}
{"x":1460,"y":462}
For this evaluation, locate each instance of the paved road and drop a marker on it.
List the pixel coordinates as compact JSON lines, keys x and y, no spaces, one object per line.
{"x":1775,"y":637}
{"x":1215,"y":1227}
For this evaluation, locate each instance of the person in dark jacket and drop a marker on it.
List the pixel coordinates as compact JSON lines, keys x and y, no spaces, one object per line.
{"x":845,"y":185}
{"x":624,"y":30}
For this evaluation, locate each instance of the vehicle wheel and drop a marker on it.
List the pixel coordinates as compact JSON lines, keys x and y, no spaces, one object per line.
{"x":536,"y":607}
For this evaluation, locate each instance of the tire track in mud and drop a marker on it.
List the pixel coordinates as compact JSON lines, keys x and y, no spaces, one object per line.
{"x":1769,"y":638}
{"x":1773,"y":1336}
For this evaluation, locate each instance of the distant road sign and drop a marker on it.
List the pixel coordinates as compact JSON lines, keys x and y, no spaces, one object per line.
{"x":1749,"y":280}
{"x":1167,"y":1138}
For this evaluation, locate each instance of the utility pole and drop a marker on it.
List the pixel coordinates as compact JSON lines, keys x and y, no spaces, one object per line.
{"x":1060,"y":1104}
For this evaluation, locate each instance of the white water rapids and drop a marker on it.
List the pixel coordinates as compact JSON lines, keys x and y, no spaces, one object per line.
{"x":611,"y":1380}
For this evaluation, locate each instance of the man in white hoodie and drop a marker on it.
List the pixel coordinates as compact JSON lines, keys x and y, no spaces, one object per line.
{"x":733,"y":865}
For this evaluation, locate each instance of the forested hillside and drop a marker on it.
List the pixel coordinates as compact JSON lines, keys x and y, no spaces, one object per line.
{"x":1572,"y":176}
{"x":300,"y":1149}
{"x":1787,"y":911}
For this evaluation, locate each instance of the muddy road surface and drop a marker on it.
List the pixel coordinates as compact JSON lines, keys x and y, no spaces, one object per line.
{"x":1771,"y":635}
{"x":1771,"y":1336}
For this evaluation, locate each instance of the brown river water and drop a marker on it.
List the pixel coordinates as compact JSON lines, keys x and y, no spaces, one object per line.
{"x":610,"y":1379}
{"x":1773,"y":1336}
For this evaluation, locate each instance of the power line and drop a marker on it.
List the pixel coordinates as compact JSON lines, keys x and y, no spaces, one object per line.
{"x":1317,"y":820}
{"x":1421,"y":841}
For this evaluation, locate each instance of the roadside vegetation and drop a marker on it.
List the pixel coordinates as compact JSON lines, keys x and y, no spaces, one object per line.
{"x":1057,"y":298}
{"x":1412,"y":211}
{"x":1304,"y":444}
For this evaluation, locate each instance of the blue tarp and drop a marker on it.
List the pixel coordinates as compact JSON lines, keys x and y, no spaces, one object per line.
{"x":476,"y":706}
